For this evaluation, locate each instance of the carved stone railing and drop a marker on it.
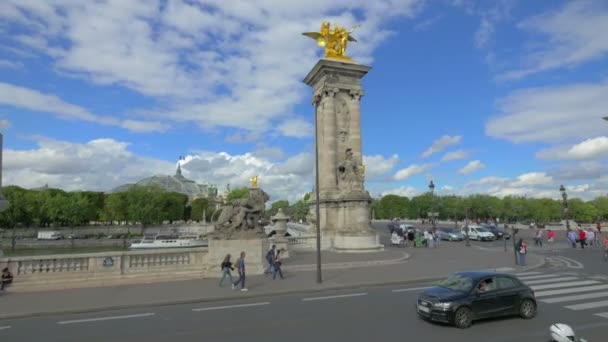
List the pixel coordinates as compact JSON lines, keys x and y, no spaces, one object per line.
{"x":55,"y":265}
{"x":151,"y":260}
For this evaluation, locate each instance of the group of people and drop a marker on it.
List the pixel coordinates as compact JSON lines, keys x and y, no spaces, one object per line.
{"x":273,"y":257}
{"x":586,"y":237}
{"x":414,"y":238}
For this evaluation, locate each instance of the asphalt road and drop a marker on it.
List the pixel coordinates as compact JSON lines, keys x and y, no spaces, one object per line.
{"x":366,"y":314}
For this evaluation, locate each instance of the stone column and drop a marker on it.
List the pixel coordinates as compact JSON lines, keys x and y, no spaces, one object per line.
{"x":355,"y":123}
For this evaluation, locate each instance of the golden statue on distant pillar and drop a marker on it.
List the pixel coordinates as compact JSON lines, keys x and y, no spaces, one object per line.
{"x":333,"y":40}
{"x":254,"y":181}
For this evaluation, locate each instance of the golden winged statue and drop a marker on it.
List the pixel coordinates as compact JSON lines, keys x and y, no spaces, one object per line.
{"x":333,"y":40}
{"x":254,"y":181}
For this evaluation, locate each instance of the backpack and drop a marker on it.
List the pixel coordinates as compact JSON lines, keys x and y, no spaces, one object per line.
{"x":270,"y":255}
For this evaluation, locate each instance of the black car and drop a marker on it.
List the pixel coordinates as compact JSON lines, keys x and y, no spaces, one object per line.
{"x":498,"y":232}
{"x":467,"y":296}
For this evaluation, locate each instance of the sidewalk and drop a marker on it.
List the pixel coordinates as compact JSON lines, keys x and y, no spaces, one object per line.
{"x":425,"y":264}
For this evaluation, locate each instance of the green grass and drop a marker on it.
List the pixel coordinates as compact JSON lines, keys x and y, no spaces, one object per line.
{"x":49,"y":251}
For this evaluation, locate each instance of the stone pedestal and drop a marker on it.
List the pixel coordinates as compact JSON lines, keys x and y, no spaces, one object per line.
{"x":344,"y":203}
{"x":280,"y":228}
{"x":255,"y":254}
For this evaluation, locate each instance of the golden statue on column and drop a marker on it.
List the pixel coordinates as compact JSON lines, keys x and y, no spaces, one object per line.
{"x":333,"y":40}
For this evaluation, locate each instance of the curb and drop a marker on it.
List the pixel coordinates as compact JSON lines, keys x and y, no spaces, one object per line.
{"x":346,"y":265}
{"x":222,"y":299}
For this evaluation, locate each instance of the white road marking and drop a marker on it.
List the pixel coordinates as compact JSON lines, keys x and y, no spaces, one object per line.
{"x":5,"y":327}
{"x":571,"y":290}
{"x":586,"y":306}
{"x":576,"y":297}
{"x":602,"y":314}
{"x":570,"y":263}
{"x":567,"y":284}
{"x":550,"y":280}
{"x":538,"y":277}
{"x":412,"y":289}
{"x":106,"y":318}
{"x":526,"y":274}
{"x":335,"y":297}
{"x":232,"y":306}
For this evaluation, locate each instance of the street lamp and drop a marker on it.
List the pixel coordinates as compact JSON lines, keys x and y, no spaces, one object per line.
{"x":3,"y":201}
{"x":605,"y":118}
{"x":565,"y":205}
{"x":432,"y":189}
{"x":318,"y":199}
{"x":468,"y":213}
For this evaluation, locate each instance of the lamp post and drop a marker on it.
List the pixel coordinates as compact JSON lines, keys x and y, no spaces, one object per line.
{"x":317,"y":209}
{"x":3,"y":201}
{"x":466,"y":226}
{"x":562,"y":189}
{"x":432,"y":189}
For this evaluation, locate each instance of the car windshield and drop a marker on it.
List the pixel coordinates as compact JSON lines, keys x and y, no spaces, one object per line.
{"x":448,"y":230}
{"x":482,"y":230}
{"x":457,"y":282}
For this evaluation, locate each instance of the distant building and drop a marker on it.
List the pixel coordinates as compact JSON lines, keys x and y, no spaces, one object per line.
{"x":176,"y":183}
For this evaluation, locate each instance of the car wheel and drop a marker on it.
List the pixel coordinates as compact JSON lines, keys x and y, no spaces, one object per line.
{"x":450,"y":239}
{"x":463,"y":318}
{"x":527,"y":309}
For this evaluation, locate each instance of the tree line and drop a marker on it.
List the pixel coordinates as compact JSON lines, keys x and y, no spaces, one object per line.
{"x":507,"y":209}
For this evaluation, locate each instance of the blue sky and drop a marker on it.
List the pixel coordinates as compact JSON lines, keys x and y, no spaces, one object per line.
{"x":497,"y":97}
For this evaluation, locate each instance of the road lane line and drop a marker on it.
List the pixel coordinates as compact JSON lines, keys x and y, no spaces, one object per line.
{"x":602,"y":314}
{"x":232,"y":306}
{"x":108,"y":318}
{"x":334,"y":297}
{"x":412,"y":289}
{"x":551,"y":280}
{"x":567,"y":284}
{"x":576,"y":297}
{"x":571,"y":290}
{"x":5,"y":327}
{"x":526,"y":274}
{"x":534,"y":277}
{"x":591,"y":305}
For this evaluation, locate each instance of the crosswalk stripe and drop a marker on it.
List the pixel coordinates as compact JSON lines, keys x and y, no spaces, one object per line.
{"x":522,"y":274}
{"x":551,"y":280}
{"x":602,"y":314}
{"x":571,"y":290}
{"x":538,"y":276}
{"x":567,"y":284}
{"x":576,"y":297}
{"x":591,"y":305}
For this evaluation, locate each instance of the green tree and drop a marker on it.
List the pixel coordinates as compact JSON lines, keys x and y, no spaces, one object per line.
{"x":391,"y":206}
{"x":601,"y":204}
{"x":199,"y":209}
{"x":115,"y":207}
{"x":274,"y":208}
{"x":238,"y":193}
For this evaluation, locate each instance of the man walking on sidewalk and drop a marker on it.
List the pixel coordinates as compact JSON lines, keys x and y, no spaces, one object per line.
{"x":241,"y":268}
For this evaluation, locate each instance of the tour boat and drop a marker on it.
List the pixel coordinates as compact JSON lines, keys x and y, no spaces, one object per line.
{"x":170,"y":241}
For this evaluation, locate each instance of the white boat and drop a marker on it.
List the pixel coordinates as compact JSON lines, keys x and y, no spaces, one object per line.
{"x":170,"y":241}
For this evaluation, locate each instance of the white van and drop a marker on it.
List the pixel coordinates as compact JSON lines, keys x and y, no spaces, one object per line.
{"x":479,"y":233}
{"x":50,"y":235}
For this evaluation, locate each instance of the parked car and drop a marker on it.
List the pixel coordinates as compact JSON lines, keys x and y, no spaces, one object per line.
{"x":498,"y":232}
{"x":468,"y":296}
{"x":479,"y":233}
{"x":450,"y":234}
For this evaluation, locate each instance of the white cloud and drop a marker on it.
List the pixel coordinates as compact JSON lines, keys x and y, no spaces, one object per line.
{"x":406,"y":191}
{"x":4,"y":124}
{"x":532,"y":179}
{"x":484,"y":33}
{"x":471,"y":167}
{"x":593,"y":148}
{"x":426,"y":24}
{"x":377,"y":166}
{"x":297,"y":128}
{"x":491,"y":13}
{"x":551,"y":114}
{"x":213,"y":63}
{"x":441,"y":144}
{"x":34,"y":100}
{"x":411,"y":170}
{"x":455,"y":155}
{"x":573,"y":36}
{"x":10,"y":64}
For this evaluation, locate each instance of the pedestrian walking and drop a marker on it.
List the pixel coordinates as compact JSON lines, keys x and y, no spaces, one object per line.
{"x":226,"y":267}
{"x":572,"y":238}
{"x":538,"y":240}
{"x":6,"y":279}
{"x":523,"y":250}
{"x":278,"y":262}
{"x":240,"y":263}
{"x":582,"y":238}
{"x":270,"y":259}
{"x":550,"y":236}
{"x":606,"y":247}
{"x":590,"y":237}
{"x":597,"y":233}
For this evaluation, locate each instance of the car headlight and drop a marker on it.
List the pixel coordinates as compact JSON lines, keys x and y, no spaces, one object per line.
{"x":442,"y":306}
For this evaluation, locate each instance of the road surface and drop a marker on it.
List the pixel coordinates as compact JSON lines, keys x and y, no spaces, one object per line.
{"x":365,"y":314}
